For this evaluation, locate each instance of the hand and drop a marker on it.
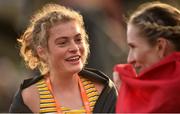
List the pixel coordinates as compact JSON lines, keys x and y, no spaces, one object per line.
{"x":116,"y":79}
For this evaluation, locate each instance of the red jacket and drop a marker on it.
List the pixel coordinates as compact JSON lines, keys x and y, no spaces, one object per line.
{"x":156,"y":89}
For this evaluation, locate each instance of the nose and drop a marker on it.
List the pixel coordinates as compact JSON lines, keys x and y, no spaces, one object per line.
{"x":73,"y":47}
{"x":130,"y":59}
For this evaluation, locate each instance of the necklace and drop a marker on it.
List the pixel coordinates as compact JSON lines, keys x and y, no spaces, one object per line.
{"x":82,"y":91}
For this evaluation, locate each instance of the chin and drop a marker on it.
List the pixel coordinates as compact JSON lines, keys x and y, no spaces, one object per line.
{"x":75,"y":69}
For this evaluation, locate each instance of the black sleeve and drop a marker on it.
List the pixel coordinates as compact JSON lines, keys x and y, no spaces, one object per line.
{"x":107,"y":100}
{"x":17,"y":105}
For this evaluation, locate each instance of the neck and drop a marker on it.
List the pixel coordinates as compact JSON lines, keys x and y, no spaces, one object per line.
{"x":63,"y":81}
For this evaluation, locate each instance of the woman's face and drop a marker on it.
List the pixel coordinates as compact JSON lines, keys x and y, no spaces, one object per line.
{"x":66,"y":47}
{"x":141,"y":53}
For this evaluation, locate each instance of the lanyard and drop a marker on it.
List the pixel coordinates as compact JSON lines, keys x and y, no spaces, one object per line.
{"x":83,"y":95}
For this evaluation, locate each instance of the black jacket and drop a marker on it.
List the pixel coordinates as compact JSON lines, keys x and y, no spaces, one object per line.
{"x":105,"y":103}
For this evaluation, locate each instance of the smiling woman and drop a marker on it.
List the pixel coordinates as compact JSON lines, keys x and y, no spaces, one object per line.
{"x":153,"y":36}
{"x":57,"y":44}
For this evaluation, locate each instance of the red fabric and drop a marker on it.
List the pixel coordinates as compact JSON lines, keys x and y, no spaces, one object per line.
{"x":156,"y":89}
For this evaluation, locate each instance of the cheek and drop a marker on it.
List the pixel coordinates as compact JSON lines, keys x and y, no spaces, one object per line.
{"x":82,"y":49}
{"x":150,"y":58}
{"x":141,"y":55}
{"x":83,"y":52}
{"x":57,"y":54}
{"x":138,"y":53}
{"x":154,"y":58}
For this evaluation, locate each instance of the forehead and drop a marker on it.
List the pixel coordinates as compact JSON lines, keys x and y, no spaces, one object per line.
{"x":134,"y":36}
{"x":61,"y":29}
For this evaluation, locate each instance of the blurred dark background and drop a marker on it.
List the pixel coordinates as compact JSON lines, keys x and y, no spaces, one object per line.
{"x":104,"y":21}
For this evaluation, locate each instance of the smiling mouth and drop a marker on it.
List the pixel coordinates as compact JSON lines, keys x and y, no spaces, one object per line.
{"x":73,"y":58}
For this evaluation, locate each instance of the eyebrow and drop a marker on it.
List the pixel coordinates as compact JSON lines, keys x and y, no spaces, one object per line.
{"x":77,"y":35}
{"x":60,"y":38}
{"x":65,"y":37}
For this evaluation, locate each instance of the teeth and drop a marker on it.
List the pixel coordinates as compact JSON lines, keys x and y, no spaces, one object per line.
{"x":74,"y":58}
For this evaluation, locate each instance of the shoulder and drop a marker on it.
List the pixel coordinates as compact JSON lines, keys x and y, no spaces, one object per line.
{"x":31,"y":81}
{"x":30,"y":94}
{"x":107,"y":99}
{"x":101,"y":80}
{"x":94,"y":75}
{"x":30,"y":97}
{"x":24,"y":94}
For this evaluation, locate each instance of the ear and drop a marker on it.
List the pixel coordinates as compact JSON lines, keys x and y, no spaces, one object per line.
{"x":162,"y":46}
{"x":41,"y":53}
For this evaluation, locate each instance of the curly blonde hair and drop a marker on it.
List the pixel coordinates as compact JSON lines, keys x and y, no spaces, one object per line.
{"x":36,"y":33}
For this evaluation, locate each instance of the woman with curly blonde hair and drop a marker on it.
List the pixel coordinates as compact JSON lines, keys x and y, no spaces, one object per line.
{"x":57,"y":44}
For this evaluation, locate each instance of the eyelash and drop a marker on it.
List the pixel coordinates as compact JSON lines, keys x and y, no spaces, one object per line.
{"x":78,"y":40}
{"x":131,"y":46}
{"x":63,"y":43}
